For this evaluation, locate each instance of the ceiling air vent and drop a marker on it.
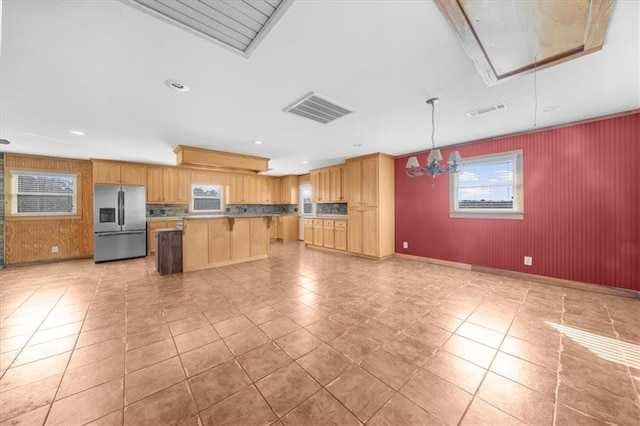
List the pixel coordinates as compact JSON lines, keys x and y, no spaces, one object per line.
{"x":238,"y":25}
{"x":486,"y":110}
{"x":318,"y":108}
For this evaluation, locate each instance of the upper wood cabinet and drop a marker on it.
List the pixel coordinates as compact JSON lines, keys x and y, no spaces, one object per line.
{"x":243,"y":189}
{"x":327,"y":184}
{"x":118,"y":173}
{"x":168,"y":185}
{"x":289,"y":189}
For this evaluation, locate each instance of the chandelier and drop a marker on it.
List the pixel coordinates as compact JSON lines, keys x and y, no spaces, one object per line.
{"x":434,"y":167}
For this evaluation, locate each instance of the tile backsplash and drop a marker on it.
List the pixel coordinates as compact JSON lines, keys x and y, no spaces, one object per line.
{"x":331,"y":208}
{"x":160,"y":210}
{"x":261,"y":208}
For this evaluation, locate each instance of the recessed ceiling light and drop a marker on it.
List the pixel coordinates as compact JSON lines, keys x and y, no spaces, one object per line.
{"x":77,"y":132}
{"x":258,"y":142}
{"x":305,"y":162}
{"x":357,"y":145}
{"x":176,"y":85}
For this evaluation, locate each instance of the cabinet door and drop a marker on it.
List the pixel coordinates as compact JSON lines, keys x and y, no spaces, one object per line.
{"x":240,"y":239}
{"x":195,"y":245}
{"x":262,"y":189}
{"x":324,"y":185}
{"x":370,"y":246}
{"x":219,"y":241}
{"x":370,"y":181}
{"x":317,"y":232}
{"x":354,"y":231}
{"x":273,"y":229}
{"x":276,"y":197}
{"x":271,"y":191}
{"x":259,"y":239}
{"x":335,"y":184}
{"x":340,"y":235}
{"x":154,"y":185}
{"x":293,"y":186}
{"x":151,"y":236}
{"x":169,"y":185}
{"x":354,"y":183}
{"x":236,"y":189}
{"x":104,"y":172}
{"x":133,"y":174}
{"x":315,"y":186}
{"x":280,"y":228}
{"x":327,"y":234}
{"x":250,"y":189}
{"x":308,"y":231}
{"x":183,"y":186}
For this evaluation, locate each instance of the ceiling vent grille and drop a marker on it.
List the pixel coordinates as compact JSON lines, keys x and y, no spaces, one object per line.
{"x":486,"y":110}
{"x":238,"y":25}
{"x":319,"y":108}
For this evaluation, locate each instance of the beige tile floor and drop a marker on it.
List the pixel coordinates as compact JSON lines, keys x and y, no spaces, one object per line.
{"x":308,"y":337}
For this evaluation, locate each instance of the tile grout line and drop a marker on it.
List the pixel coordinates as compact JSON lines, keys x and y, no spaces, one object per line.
{"x":488,"y":369}
{"x":558,"y":368}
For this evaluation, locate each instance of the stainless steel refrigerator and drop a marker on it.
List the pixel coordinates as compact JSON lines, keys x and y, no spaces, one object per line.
{"x":120,"y":228}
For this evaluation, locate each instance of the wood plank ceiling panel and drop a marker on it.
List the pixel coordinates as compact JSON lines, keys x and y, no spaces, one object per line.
{"x":239,"y":25}
{"x":507,"y":38}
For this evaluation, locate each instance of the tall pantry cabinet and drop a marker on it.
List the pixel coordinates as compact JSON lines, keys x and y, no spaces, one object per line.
{"x":369,"y":191}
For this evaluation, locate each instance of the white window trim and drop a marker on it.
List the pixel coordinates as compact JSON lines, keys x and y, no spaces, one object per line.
{"x":14,"y":193}
{"x":193,"y":199}
{"x":517,"y":212}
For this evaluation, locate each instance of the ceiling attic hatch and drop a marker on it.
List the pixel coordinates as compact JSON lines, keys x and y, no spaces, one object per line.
{"x":239,"y":25}
{"x":318,"y":108}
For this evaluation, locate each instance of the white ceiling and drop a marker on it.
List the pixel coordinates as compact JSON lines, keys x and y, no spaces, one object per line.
{"x":100,"y":65}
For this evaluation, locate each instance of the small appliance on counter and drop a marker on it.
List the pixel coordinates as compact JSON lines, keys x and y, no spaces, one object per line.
{"x":120,"y":228}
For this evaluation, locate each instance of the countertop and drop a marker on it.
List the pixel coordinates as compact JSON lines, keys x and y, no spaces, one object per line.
{"x":216,"y":216}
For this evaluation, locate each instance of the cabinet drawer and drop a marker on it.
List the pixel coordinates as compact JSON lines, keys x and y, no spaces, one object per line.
{"x":328,"y":223}
{"x":308,"y":222}
{"x":340,"y":223}
{"x":317,"y":222}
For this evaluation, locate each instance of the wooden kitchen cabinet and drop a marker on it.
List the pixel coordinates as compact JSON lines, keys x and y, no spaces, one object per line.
{"x":289,"y":189}
{"x":318,"y":234}
{"x":336,"y":184}
{"x":243,"y":189}
{"x":371,"y":206}
{"x":328,"y":234}
{"x":340,"y":235}
{"x":168,"y":185}
{"x":118,"y":173}
{"x":273,"y":189}
{"x":151,"y":233}
{"x":308,"y":231}
{"x":288,"y":228}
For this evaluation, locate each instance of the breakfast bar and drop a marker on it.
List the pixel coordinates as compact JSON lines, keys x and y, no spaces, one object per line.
{"x":211,"y":241}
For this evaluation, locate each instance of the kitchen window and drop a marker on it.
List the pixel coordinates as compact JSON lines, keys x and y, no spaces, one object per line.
{"x":43,"y":194}
{"x":489,"y":186}
{"x":207,"y":198}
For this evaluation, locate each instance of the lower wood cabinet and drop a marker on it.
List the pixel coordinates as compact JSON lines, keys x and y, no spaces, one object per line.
{"x":224,"y":241}
{"x":327,"y":233}
{"x":151,"y":233}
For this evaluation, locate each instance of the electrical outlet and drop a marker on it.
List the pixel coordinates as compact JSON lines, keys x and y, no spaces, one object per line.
{"x":528,"y":260}
{"x":405,"y":244}
{"x":54,"y":249}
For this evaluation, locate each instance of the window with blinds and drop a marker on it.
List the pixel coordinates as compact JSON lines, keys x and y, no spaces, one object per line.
{"x":206,"y":198}
{"x":36,"y":193}
{"x":488,"y":186}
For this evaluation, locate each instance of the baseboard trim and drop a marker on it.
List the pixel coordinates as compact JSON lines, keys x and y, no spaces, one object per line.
{"x":559,"y":282}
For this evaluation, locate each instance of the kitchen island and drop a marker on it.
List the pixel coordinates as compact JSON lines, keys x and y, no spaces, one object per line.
{"x":210,"y":241}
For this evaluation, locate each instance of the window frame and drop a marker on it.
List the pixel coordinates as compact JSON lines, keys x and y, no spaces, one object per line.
{"x":12,"y":208}
{"x":516,"y":212}
{"x":192,"y":206}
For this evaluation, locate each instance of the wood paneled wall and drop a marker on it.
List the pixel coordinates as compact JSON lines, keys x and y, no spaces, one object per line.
{"x":30,"y":240}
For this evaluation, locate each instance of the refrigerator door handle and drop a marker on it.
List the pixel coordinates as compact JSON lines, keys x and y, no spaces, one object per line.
{"x":122,"y":207}
{"x":115,"y":234}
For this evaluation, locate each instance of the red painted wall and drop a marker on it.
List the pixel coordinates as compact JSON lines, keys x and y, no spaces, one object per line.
{"x":581,"y":201}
